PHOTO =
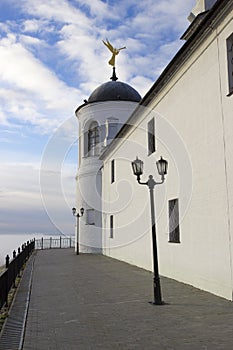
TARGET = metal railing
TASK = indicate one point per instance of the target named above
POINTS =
(8, 277)
(12, 268)
(51, 242)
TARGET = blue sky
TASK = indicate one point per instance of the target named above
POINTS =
(51, 59)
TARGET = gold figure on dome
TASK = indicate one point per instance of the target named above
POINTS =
(114, 52)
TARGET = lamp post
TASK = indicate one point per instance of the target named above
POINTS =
(74, 211)
(162, 165)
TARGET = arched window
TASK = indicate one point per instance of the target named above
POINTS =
(93, 139)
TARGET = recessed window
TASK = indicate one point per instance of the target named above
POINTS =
(230, 62)
(111, 226)
(174, 228)
(112, 171)
(93, 139)
(111, 129)
(90, 215)
(151, 136)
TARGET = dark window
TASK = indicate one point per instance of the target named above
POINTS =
(151, 136)
(112, 171)
(174, 229)
(93, 139)
(111, 226)
(230, 62)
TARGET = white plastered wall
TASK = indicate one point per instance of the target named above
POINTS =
(194, 132)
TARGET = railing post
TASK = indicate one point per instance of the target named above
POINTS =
(42, 241)
(50, 243)
(7, 261)
(6, 290)
(28, 249)
(60, 241)
(14, 272)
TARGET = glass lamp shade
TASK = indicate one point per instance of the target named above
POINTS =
(162, 165)
(82, 211)
(137, 166)
(73, 211)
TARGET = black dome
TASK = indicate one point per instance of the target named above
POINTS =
(114, 91)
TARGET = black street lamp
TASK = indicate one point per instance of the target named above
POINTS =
(74, 211)
(162, 165)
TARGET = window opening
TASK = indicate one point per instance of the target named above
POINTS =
(174, 229)
(112, 171)
(230, 62)
(111, 226)
(151, 136)
(93, 139)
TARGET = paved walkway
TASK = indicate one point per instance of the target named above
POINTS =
(93, 302)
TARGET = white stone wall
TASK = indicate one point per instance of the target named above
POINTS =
(194, 133)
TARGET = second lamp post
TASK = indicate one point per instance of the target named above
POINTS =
(74, 211)
(162, 165)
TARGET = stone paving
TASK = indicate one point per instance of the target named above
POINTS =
(94, 302)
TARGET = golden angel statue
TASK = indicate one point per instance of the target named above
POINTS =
(114, 52)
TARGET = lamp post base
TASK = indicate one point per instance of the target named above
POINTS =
(157, 302)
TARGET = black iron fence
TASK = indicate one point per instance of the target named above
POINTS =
(51, 242)
(12, 269)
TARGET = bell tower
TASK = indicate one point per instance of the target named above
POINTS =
(100, 118)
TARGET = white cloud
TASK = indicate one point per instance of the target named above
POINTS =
(141, 83)
(34, 25)
(30, 41)
(61, 11)
(21, 68)
(30, 91)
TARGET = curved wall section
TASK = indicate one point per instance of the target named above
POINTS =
(98, 124)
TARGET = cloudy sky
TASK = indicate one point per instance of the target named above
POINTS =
(51, 58)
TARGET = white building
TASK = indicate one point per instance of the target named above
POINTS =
(187, 118)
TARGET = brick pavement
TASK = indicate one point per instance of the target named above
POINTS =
(94, 302)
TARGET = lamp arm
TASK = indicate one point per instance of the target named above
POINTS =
(139, 181)
(142, 183)
(151, 183)
(161, 182)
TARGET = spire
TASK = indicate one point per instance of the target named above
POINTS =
(114, 77)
